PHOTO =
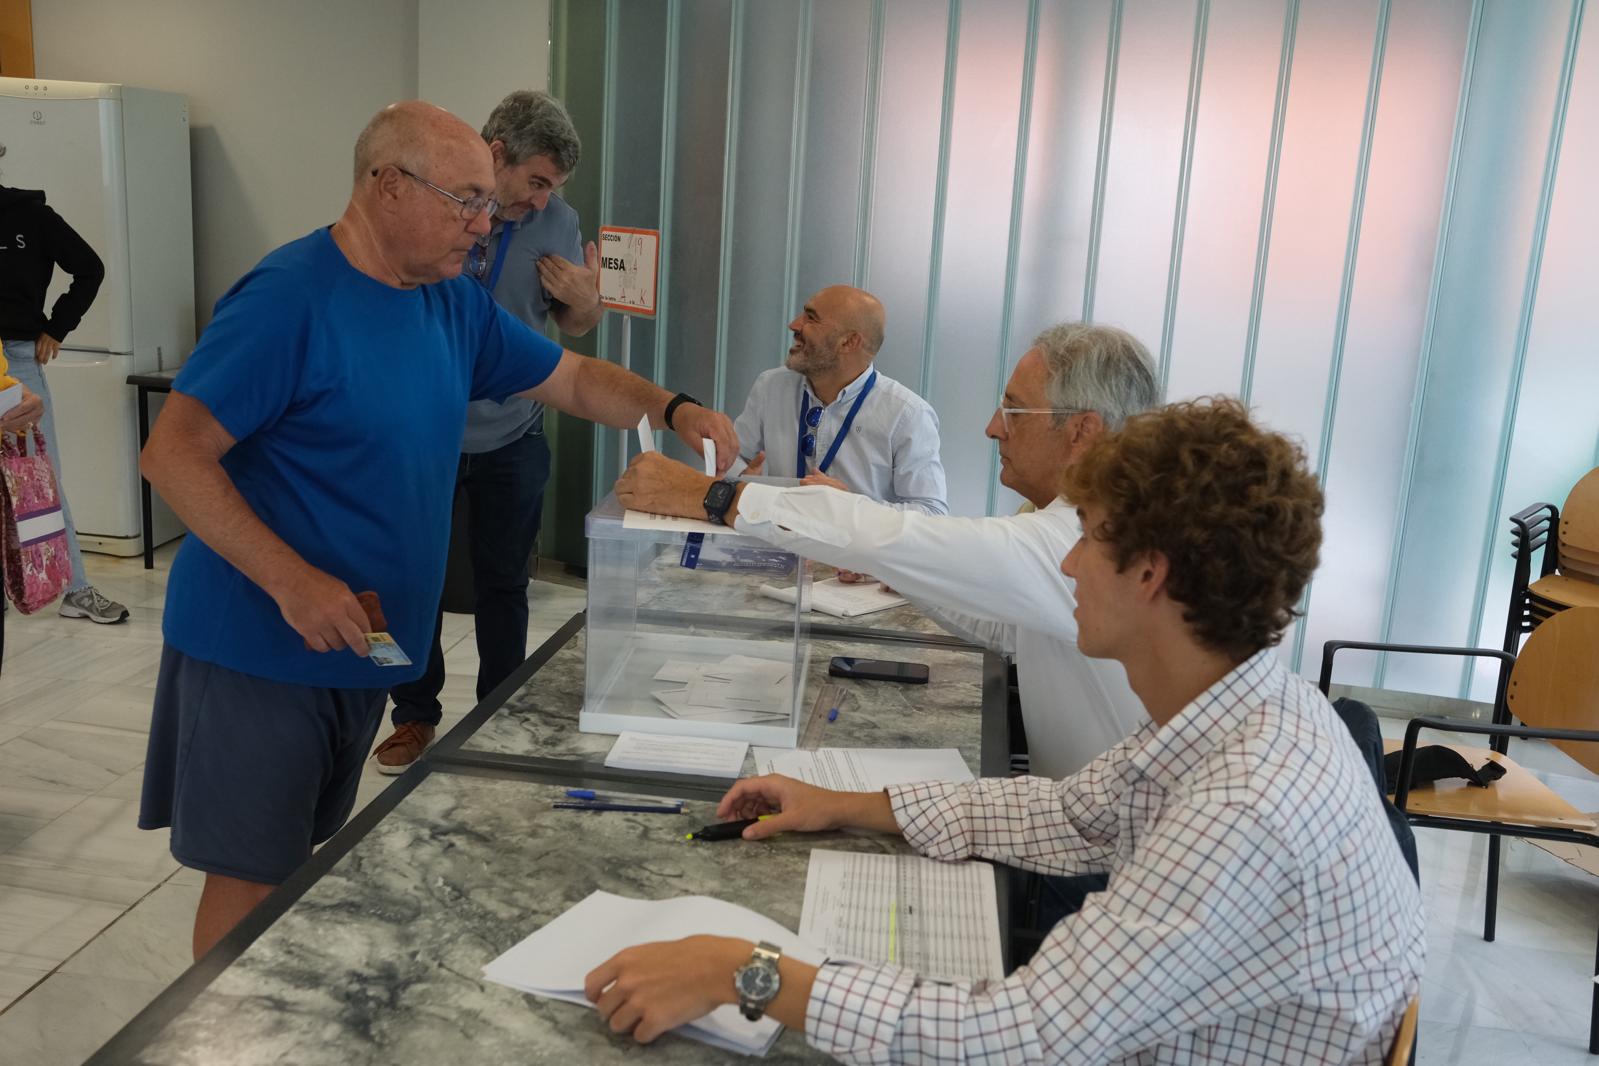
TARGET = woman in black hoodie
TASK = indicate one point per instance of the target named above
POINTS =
(34, 240)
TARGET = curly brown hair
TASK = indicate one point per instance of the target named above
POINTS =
(1233, 507)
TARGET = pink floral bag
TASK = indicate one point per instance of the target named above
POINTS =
(37, 567)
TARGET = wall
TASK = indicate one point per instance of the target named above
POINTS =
(472, 54)
(277, 93)
(1372, 219)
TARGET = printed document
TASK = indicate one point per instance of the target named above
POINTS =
(864, 769)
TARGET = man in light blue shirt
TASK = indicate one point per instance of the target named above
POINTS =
(828, 414)
(535, 264)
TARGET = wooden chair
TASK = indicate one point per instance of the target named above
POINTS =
(1403, 1050)
(1577, 583)
(1532, 530)
(1553, 688)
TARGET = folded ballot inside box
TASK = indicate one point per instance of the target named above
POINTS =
(675, 647)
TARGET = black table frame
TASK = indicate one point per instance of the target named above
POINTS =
(146, 384)
(446, 757)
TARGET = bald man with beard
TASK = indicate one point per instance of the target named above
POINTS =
(828, 415)
(310, 445)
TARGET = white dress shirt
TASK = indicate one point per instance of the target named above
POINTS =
(890, 453)
(1258, 910)
(995, 581)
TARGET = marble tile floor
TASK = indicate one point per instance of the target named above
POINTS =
(95, 915)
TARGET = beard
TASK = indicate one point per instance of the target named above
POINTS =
(811, 360)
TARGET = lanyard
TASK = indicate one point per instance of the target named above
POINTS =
(843, 430)
(507, 234)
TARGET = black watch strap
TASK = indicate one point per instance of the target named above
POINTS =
(678, 401)
(718, 500)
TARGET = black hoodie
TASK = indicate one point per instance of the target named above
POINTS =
(34, 240)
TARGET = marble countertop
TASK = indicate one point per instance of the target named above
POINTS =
(541, 719)
(380, 960)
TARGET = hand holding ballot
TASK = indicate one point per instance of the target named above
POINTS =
(655, 484)
(695, 424)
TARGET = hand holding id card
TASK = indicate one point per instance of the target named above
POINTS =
(383, 651)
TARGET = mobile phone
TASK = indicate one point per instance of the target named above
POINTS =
(878, 670)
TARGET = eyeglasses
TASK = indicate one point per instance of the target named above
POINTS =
(1005, 413)
(471, 206)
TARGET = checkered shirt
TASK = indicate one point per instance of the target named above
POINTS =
(1258, 911)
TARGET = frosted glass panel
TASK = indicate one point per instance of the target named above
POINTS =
(1557, 418)
(1058, 203)
(1387, 310)
(758, 308)
(905, 176)
(965, 344)
(1232, 136)
(1152, 65)
(1480, 296)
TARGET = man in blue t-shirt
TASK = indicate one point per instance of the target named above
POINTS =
(534, 263)
(310, 444)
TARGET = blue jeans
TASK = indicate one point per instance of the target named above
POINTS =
(27, 370)
(505, 495)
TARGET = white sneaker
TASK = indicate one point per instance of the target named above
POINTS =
(88, 602)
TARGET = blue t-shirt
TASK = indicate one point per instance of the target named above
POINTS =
(347, 399)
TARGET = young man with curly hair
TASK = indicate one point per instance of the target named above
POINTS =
(1258, 908)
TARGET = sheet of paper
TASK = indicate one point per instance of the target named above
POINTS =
(660, 523)
(553, 961)
(10, 396)
(677, 755)
(863, 769)
(708, 449)
(646, 439)
(940, 919)
(838, 599)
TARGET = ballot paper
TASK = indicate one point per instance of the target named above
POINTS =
(940, 919)
(677, 755)
(646, 438)
(554, 961)
(10, 396)
(838, 599)
(660, 523)
(863, 769)
(737, 689)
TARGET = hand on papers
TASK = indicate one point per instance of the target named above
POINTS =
(694, 423)
(756, 466)
(653, 988)
(324, 611)
(655, 484)
(852, 577)
(27, 411)
(794, 806)
(575, 285)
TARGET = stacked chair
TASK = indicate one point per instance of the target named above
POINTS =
(1569, 575)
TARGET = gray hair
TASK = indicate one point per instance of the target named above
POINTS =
(533, 123)
(1097, 368)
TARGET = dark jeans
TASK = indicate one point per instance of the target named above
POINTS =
(505, 494)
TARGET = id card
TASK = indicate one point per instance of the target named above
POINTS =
(382, 650)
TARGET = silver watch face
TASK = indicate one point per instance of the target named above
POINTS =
(757, 982)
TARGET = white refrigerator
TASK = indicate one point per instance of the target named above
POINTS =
(113, 161)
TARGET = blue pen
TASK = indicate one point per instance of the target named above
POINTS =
(636, 808)
(619, 797)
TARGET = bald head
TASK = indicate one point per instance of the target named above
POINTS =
(854, 310)
(416, 135)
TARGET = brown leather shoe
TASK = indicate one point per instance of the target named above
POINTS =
(410, 740)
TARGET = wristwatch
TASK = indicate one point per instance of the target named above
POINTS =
(757, 981)
(674, 403)
(718, 500)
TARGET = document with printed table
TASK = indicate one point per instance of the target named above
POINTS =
(940, 919)
(863, 769)
(554, 961)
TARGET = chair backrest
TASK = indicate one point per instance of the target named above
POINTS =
(1579, 522)
(1405, 1039)
(1555, 682)
(1531, 528)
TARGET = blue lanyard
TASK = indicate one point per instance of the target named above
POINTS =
(843, 430)
(507, 234)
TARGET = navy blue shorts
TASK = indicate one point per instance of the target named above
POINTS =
(249, 773)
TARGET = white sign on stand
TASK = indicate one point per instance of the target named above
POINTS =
(629, 266)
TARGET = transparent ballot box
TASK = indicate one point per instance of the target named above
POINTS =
(683, 639)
